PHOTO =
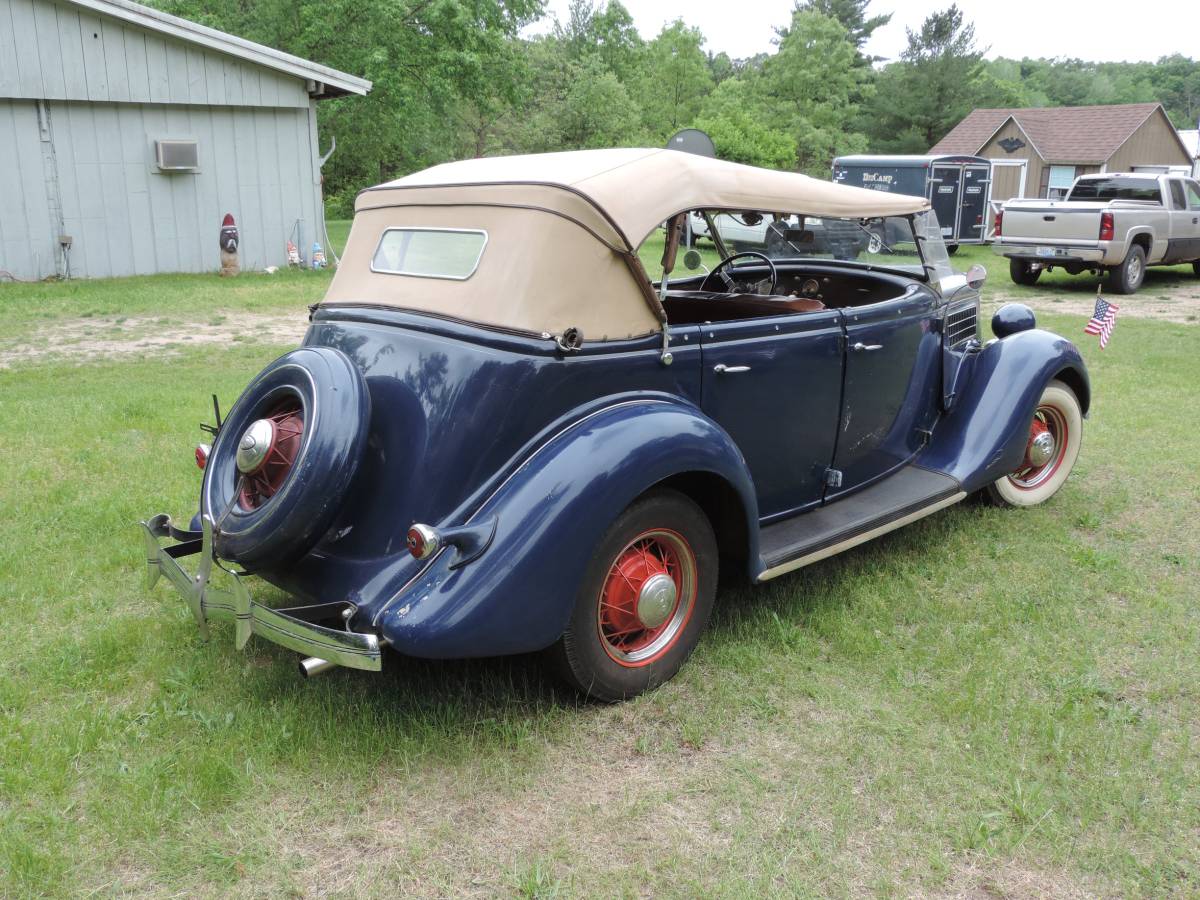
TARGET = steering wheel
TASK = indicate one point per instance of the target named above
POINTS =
(732, 286)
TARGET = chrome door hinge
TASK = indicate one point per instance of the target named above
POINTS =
(833, 478)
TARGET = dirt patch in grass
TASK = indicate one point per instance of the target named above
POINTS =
(1166, 298)
(85, 340)
(987, 879)
(594, 813)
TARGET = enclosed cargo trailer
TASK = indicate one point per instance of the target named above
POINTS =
(956, 186)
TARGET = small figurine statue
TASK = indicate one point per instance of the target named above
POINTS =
(230, 265)
(318, 256)
(293, 254)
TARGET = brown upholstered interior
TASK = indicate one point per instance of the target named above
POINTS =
(833, 290)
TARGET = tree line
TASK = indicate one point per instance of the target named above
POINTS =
(460, 78)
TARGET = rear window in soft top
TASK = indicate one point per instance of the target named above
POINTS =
(1117, 189)
(452, 253)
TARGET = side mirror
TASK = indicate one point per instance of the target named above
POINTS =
(692, 260)
(976, 276)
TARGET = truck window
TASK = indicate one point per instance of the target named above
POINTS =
(1193, 192)
(1177, 199)
(1117, 189)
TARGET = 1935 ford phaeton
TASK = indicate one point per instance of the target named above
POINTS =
(501, 436)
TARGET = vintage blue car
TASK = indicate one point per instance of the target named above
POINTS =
(501, 435)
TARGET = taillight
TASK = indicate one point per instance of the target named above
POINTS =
(1106, 226)
(423, 541)
(202, 451)
(999, 221)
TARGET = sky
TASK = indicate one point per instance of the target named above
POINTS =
(1012, 28)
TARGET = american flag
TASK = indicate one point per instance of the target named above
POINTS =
(1103, 320)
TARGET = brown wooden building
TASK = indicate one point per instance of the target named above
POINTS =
(1040, 152)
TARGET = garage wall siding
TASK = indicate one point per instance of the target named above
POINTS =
(28, 239)
(1154, 143)
(126, 218)
(993, 150)
(50, 51)
(83, 100)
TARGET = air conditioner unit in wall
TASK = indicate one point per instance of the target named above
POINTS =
(177, 155)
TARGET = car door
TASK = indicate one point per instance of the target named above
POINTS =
(1192, 220)
(1178, 222)
(892, 384)
(775, 385)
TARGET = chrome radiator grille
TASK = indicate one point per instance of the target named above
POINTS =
(961, 324)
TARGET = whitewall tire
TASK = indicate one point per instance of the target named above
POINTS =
(1055, 435)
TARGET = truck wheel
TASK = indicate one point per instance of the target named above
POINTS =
(644, 599)
(1055, 435)
(1023, 272)
(1129, 275)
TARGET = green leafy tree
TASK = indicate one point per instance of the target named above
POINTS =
(597, 110)
(852, 14)
(811, 83)
(675, 80)
(1176, 82)
(931, 88)
(739, 122)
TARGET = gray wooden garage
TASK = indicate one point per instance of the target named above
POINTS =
(127, 134)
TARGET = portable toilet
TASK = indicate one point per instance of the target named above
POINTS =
(956, 186)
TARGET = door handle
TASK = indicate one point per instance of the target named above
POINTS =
(722, 369)
(859, 345)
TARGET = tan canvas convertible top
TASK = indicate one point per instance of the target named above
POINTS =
(563, 230)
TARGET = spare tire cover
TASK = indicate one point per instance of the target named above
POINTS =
(322, 388)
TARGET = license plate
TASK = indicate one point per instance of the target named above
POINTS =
(1046, 251)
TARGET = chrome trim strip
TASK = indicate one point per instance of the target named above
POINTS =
(411, 228)
(825, 553)
(208, 603)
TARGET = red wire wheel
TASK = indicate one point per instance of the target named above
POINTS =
(1045, 450)
(643, 599)
(1051, 448)
(261, 483)
(647, 598)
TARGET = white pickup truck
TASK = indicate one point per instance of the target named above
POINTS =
(1115, 222)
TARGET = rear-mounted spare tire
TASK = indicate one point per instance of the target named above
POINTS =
(283, 461)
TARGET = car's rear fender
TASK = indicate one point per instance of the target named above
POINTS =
(549, 515)
(984, 436)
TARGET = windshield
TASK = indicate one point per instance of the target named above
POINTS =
(908, 244)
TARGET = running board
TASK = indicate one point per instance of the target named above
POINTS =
(910, 494)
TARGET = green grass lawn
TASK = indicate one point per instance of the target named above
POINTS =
(986, 703)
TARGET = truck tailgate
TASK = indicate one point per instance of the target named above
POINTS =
(1052, 222)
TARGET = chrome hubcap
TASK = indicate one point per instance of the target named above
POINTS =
(255, 445)
(1041, 449)
(656, 600)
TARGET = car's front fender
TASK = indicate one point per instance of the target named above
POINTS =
(984, 437)
(518, 594)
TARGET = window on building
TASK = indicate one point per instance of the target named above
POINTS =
(1059, 182)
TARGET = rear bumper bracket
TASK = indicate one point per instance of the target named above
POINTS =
(294, 627)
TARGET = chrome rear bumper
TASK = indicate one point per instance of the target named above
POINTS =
(294, 627)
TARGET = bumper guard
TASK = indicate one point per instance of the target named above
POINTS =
(294, 627)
